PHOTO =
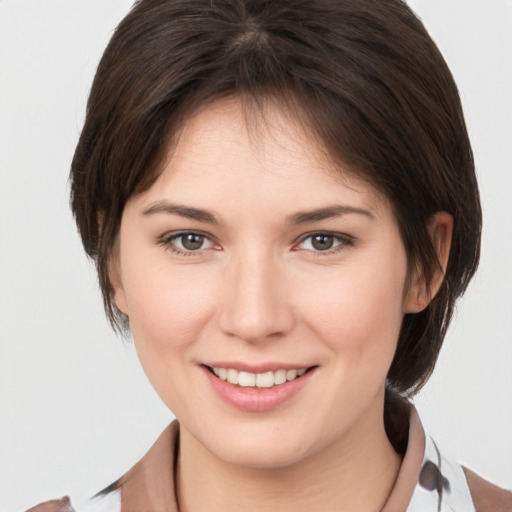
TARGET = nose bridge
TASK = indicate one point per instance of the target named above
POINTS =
(255, 306)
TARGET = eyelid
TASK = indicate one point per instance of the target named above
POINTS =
(343, 239)
(167, 240)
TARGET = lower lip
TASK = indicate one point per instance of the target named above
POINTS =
(256, 399)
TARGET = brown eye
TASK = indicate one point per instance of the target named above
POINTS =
(327, 243)
(192, 241)
(188, 242)
(322, 242)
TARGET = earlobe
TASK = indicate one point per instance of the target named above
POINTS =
(421, 292)
(118, 295)
(120, 299)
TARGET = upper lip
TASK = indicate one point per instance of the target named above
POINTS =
(257, 368)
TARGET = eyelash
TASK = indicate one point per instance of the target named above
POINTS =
(343, 241)
(168, 242)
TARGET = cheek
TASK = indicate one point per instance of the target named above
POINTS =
(358, 313)
(168, 311)
(167, 305)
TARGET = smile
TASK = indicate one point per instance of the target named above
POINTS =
(257, 380)
(262, 389)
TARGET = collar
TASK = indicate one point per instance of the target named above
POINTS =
(149, 485)
(410, 469)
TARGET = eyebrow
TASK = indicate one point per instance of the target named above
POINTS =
(303, 217)
(183, 211)
(327, 213)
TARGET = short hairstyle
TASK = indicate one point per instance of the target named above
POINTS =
(363, 76)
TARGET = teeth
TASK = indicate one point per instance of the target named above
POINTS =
(291, 374)
(265, 380)
(279, 377)
(232, 376)
(246, 379)
(259, 380)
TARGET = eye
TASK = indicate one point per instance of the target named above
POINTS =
(187, 242)
(325, 242)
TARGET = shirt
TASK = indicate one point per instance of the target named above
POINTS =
(427, 480)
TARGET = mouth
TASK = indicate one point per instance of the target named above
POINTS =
(264, 380)
(265, 388)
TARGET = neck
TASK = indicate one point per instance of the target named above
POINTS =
(355, 473)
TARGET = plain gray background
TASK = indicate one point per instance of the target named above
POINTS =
(76, 409)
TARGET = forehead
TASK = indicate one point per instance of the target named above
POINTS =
(226, 151)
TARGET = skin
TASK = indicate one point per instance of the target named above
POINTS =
(258, 291)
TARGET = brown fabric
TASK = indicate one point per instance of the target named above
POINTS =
(149, 485)
(410, 468)
(487, 497)
(62, 505)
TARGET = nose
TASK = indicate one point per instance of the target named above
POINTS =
(255, 306)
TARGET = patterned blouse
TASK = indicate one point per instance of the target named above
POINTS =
(427, 480)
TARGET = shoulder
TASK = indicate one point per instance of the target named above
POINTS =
(486, 496)
(102, 502)
(108, 500)
(62, 505)
(151, 479)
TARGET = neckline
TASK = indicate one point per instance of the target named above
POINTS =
(150, 483)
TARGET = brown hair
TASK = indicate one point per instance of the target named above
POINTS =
(364, 75)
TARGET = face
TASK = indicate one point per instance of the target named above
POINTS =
(253, 259)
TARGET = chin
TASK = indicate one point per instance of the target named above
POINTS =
(258, 457)
(261, 450)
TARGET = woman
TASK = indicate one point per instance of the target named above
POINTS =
(281, 202)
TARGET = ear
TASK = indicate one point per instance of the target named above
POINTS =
(118, 294)
(422, 292)
(120, 300)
